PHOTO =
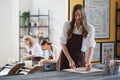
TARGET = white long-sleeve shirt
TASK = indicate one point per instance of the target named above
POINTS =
(55, 53)
(89, 41)
(36, 50)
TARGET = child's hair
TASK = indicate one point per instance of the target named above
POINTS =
(44, 41)
(29, 38)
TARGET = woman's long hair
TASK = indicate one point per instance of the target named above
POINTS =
(29, 38)
(83, 21)
(44, 41)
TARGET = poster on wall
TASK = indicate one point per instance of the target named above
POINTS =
(96, 54)
(97, 13)
(118, 18)
(118, 33)
(118, 49)
(107, 51)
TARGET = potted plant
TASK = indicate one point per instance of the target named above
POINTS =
(25, 17)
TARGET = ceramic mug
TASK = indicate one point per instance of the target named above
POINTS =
(28, 63)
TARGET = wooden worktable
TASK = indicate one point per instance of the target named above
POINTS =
(55, 75)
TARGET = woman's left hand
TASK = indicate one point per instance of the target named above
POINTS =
(88, 66)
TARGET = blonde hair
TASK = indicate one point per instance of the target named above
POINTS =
(29, 38)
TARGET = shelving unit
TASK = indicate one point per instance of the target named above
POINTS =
(38, 27)
(117, 31)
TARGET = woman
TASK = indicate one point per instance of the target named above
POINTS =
(77, 38)
(50, 52)
(33, 48)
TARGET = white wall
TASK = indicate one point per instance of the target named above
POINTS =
(58, 15)
(8, 30)
(24, 5)
(15, 29)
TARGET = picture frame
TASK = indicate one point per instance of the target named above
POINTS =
(108, 50)
(97, 53)
(118, 49)
(98, 15)
(118, 33)
(118, 18)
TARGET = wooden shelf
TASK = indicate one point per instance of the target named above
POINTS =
(35, 27)
(38, 15)
(44, 37)
(34, 36)
(21, 36)
(24, 26)
(30, 35)
(22, 48)
(39, 26)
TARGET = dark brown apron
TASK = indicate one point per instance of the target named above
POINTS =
(73, 45)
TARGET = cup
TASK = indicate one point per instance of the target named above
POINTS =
(117, 67)
(11, 61)
(28, 63)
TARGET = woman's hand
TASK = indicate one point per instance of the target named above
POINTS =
(72, 64)
(88, 58)
(88, 66)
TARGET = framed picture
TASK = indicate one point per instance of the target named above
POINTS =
(118, 18)
(118, 33)
(107, 51)
(96, 54)
(98, 15)
(118, 49)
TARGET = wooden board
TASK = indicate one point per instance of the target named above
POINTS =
(82, 70)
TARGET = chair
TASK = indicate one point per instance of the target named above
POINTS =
(32, 70)
(36, 60)
(11, 69)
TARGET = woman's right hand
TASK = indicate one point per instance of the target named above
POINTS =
(72, 64)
